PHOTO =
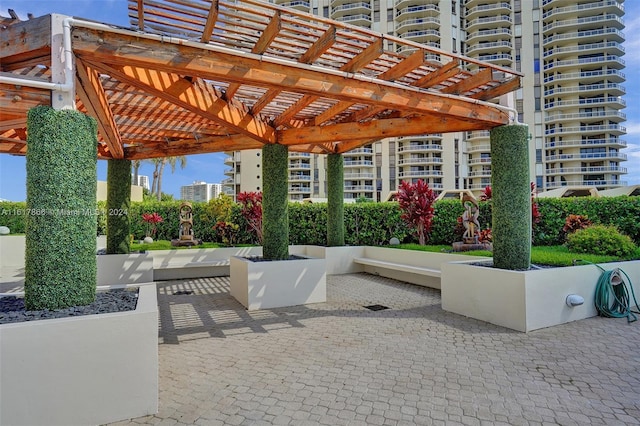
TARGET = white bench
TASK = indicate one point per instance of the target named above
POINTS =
(398, 266)
(179, 270)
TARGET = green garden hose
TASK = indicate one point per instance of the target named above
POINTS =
(613, 295)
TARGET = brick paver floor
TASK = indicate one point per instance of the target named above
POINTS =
(337, 363)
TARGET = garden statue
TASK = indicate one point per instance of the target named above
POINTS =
(186, 237)
(470, 219)
(471, 237)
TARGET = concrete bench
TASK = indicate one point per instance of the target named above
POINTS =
(398, 266)
(180, 270)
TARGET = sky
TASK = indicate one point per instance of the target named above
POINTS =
(209, 167)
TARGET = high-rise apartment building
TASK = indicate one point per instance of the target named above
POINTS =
(570, 52)
(200, 191)
(143, 181)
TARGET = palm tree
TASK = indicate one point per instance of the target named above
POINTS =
(172, 161)
(156, 172)
(136, 169)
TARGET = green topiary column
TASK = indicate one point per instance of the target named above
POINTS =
(335, 200)
(275, 202)
(511, 198)
(60, 258)
(118, 204)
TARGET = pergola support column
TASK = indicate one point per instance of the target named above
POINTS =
(60, 256)
(275, 202)
(511, 198)
(335, 200)
(118, 204)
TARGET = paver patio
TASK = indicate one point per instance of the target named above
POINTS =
(339, 363)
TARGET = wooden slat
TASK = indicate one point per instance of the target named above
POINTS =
(141, 15)
(404, 67)
(268, 35)
(494, 92)
(448, 70)
(478, 79)
(25, 41)
(264, 101)
(212, 17)
(287, 115)
(331, 112)
(317, 49)
(94, 98)
(364, 58)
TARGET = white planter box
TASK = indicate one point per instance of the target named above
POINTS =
(524, 300)
(84, 370)
(274, 284)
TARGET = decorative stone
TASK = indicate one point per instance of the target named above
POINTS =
(4, 230)
(147, 240)
(394, 241)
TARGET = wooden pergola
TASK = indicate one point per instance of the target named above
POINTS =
(199, 76)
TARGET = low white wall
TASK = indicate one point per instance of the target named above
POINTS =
(134, 268)
(528, 300)
(338, 260)
(84, 370)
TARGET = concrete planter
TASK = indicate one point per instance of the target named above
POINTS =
(274, 284)
(524, 300)
(92, 369)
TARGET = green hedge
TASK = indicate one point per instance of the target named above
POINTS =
(118, 205)
(275, 203)
(60, 256)
(308, 222)
(335, 203)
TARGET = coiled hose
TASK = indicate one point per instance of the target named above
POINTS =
(613, 295)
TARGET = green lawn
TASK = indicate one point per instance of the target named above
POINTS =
(166, 245)
(540, 255)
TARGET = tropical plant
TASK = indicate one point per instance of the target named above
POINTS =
(151, 219)
(416, 203)
(226, 232)
(251, 203)
(575, 222)
(172, 161)
(601, 240)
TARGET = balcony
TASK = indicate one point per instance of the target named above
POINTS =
(228, 181)
(420, 148)
(358, 188)
(296, 155)
(419, 23)
(229, 172)
(598, 183)
(610, 88)
(356, 176)
(358, 19)
(588, 156)
(420, 174)
(351, 9)
(484, 161)
(489, 22)
(503, 59)
(597, 34)
(486, 47)
(613, 142)
(488, 9)
(480, 173)
(303, 6)
(608, 20)
(610, 46)
(488, 35)
(588, 170)
(478, 148)
(612, 115)
(423, 10)
(611, 61)
(609, 128)
(358, 163)
(477, 134)
(611, 6)
(293, 189)
(419, 160)
(359, 151)
(421, 36)
(299, 165)
(299, 178)
(585, 76)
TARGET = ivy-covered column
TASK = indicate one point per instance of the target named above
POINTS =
(60, 258)
(275, 202)
(511, 198)
(118, 204)
(335, 200)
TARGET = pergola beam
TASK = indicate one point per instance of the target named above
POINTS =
(117, 49)
(191, 146)
(94, 98)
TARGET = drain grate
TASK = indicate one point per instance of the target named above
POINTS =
(376, 307)
(182, 292)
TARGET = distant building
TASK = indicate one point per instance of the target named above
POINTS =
(143, 181)
(200, 191)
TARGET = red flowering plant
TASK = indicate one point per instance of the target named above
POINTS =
(151, 219)
(416, 203)
(251, 203)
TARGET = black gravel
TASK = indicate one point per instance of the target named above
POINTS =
(12, 308)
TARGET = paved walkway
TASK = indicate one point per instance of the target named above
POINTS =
(413, 364)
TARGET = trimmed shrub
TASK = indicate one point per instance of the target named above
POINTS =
(511, 197)
(601, 240)
(12, 216)
(275, 203)
(118, 204)
(335, 200)
(308, 223)
(60, 258)
(373, 224)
